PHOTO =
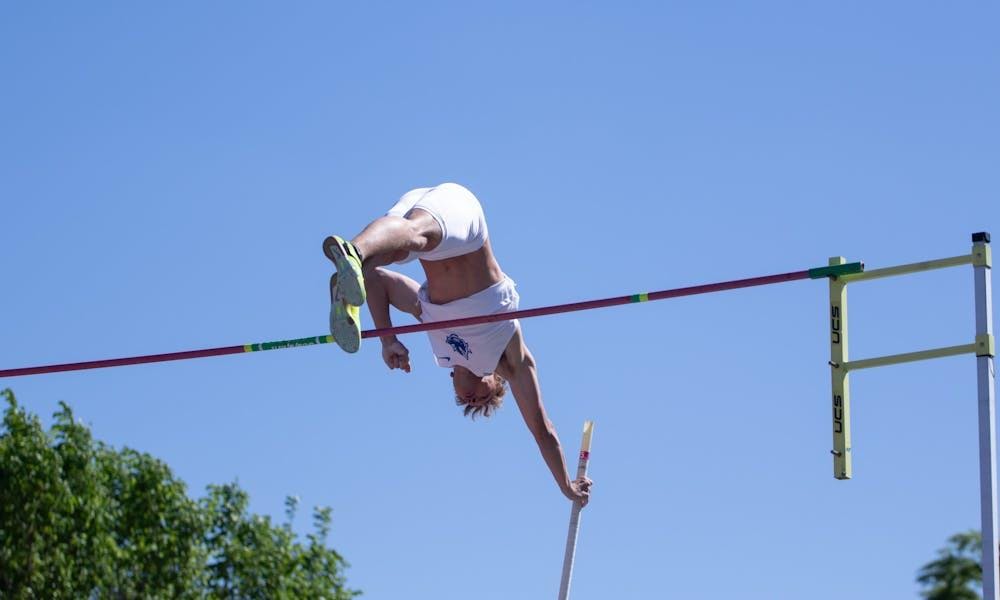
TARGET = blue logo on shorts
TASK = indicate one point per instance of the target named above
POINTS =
(459, 345)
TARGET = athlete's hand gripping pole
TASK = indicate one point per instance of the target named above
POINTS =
(574, 517)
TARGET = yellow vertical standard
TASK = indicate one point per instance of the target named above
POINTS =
(841, 385)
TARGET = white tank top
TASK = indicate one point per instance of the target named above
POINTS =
(478, 348)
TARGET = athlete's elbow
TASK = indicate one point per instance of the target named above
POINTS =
(524, 367)
(543, 430)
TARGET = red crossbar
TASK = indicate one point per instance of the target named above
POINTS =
(370, 333)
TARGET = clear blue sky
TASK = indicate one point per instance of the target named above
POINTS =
(167, 174)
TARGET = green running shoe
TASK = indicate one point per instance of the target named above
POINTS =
(344, 255)
(345, 320)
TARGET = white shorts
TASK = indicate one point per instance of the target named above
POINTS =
(478, 348)
(457, 212)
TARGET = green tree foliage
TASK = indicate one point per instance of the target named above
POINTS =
(957, 572)
(79, 519)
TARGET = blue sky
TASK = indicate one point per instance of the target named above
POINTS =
(167, 174)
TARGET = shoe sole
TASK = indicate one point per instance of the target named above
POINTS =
(345, 332)
(344, 326)
(352, 289)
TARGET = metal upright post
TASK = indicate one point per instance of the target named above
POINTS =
(982, 265)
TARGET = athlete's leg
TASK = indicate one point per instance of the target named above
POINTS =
(388, 239)
(384, 241)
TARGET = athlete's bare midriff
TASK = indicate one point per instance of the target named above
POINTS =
(461, 276)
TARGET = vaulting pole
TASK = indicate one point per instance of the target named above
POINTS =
(816, 273)
(574, 515)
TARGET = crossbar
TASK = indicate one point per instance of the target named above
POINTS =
(370, 333)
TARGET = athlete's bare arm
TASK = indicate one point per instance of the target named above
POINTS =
(386, 288)
(517, 366)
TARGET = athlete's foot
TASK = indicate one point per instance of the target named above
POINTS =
(345, 320)
(351, 287)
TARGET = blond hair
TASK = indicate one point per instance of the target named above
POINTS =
(490, 406)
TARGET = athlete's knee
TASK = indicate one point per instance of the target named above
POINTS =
(374, 263)
(424, 232)
(414, 235)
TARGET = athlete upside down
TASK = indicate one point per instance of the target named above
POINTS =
(444, 227)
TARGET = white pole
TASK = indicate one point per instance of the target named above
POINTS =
(574, 515)
(987, 413)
